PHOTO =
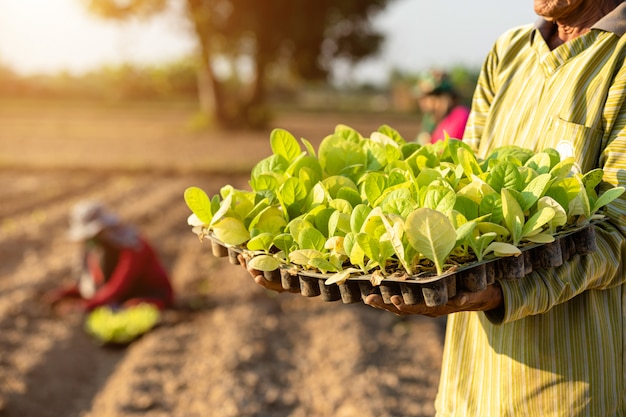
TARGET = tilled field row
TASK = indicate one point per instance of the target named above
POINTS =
(229, 348)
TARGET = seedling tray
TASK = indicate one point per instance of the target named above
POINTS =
(431, 290)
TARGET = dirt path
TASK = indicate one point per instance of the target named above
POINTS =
(229, 348)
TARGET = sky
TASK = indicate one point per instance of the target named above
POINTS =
(48, 36)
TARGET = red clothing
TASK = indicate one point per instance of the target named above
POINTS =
(453, 124)
(136, 276)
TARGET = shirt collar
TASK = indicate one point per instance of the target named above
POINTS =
(614, 22)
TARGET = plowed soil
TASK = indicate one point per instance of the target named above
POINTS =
(229, 347)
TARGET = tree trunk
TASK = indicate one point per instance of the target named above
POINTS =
(209, 90)
(206, 93)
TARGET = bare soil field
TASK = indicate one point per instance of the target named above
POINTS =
(229, 347)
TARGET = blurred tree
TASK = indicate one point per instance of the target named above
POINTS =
(297, 37)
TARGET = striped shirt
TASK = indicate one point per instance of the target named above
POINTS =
(558, 346)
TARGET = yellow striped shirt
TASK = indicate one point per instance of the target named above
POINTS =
(557, 348)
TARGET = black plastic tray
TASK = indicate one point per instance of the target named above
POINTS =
(433, 290)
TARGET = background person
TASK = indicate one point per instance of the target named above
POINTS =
(441, 108)
(118, 267)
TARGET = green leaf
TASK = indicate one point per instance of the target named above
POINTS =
(560, 215)
(465, 230)
(308, 167)
(427, 176)
(400, 206)
(341, 276)
(292, 191)
(338, 224)
(373, 186)
(335, 153)
(511, 153)
(359, 214)
(265, 181)
(199, 204)
(264, 263)
(431, 233)
(261, 242)
(346, 132)
(276, 164)
(231, 231)
(271, 220)
(535, 190)
(322, 219)
(504, 175)
(336, 183)
(440, 198)
(539, 162)
(323, 265)
(351, 195)
(540, 238)
(562, 169)
(302, 257)
(318, 195)
(392, 133)
(369, 245)
(513, 215)
(468, 161)
(309, 147)
(554, 155)
(592, 179)
(607, 197)
(503, 249)
(335, 244)
(394, 231)
(380, 138)
(354, 251)
(467, 207)
(284, 242)
(580, 205)
(476, 190)
(489, 227)
(121, 325)
(480, 243)
(311, 238)
(537, 221)
(285, 144)
(223, 210)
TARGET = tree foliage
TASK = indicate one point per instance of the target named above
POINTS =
(294, 38)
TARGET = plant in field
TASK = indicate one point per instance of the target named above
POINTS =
(122, 326)
(379, 205)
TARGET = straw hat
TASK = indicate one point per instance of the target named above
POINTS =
(88, 218)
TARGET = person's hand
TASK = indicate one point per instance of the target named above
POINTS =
(260, 279)
(488, 299)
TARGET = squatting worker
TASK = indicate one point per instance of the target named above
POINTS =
(118, 267)
(553, 342)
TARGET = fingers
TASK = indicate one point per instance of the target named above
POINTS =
(376, 301)
(487, 299)
(405, 309)
(253, 272)
(259, 278)
(460, 300)
(400, 308)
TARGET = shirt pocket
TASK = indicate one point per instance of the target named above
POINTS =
(577, 141)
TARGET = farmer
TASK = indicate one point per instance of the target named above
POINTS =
(118, 266)
(553, 342)
(442, 111)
